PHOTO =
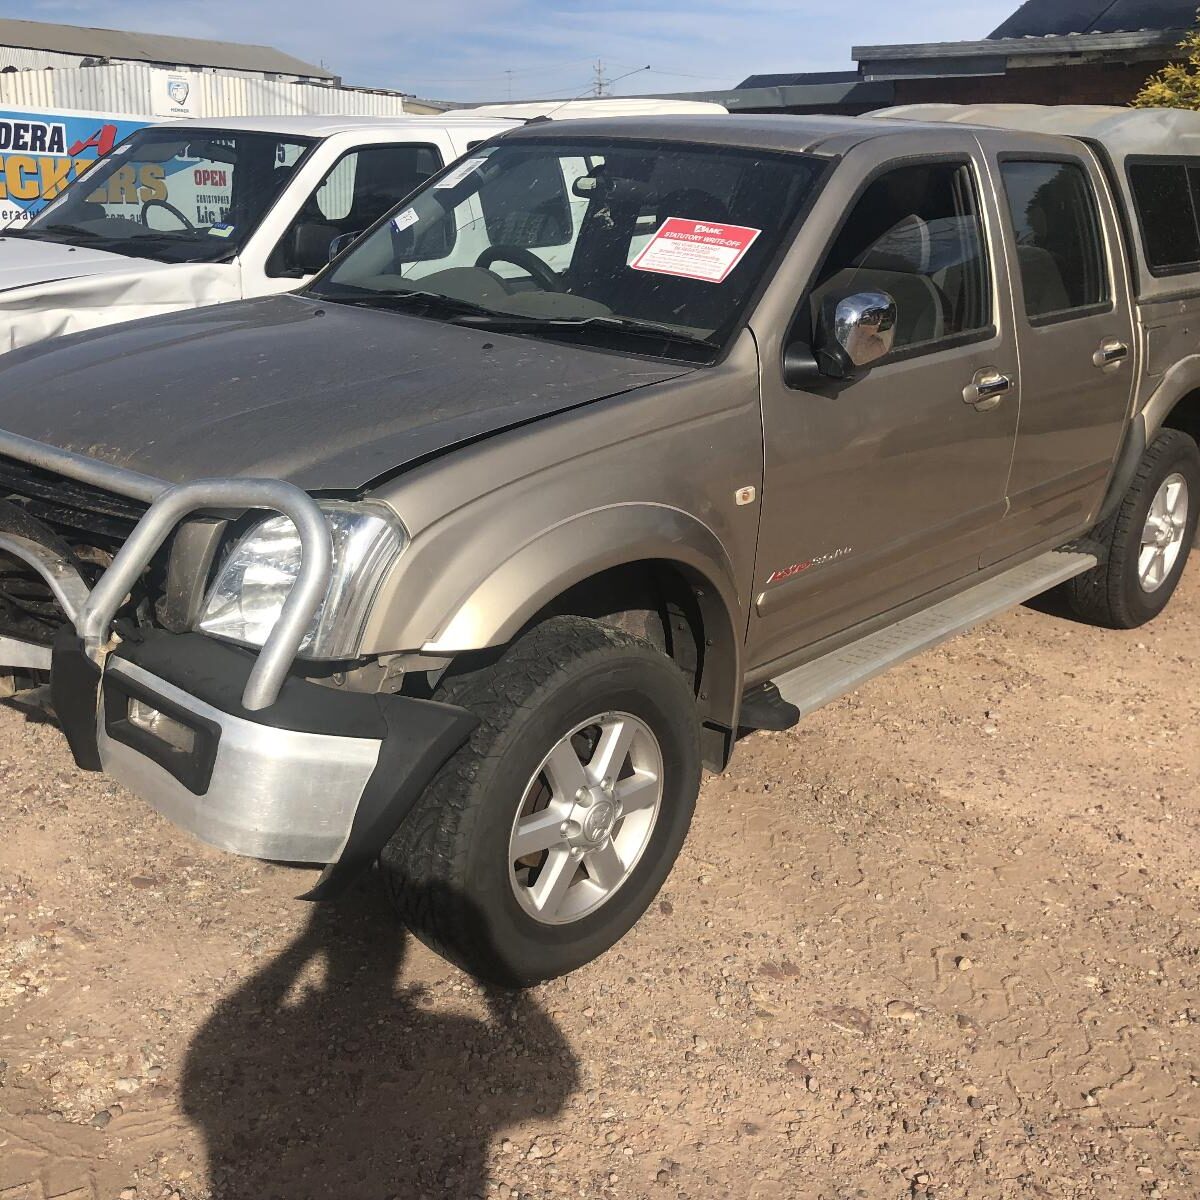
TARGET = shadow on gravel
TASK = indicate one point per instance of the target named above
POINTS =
(324, 1076)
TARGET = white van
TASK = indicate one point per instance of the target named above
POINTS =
(183, 214)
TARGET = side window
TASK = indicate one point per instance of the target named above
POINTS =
(356, 191)
(1060, 251)
(526, 206)
(916, 234)
(1166, 195)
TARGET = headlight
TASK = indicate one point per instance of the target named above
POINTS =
(245, 601)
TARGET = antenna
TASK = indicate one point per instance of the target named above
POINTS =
(600, 83)
(592, 88)
(509, 72)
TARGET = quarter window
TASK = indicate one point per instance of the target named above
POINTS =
(1060, 252)
(1167, 195)
(915, 234)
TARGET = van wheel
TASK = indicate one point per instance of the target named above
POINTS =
(542, 841)
(1149, 538)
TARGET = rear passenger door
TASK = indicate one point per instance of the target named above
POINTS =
(883, 488)
(1075, 337)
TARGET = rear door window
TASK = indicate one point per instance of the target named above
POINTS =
(1060, 250)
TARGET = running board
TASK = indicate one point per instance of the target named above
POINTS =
(832, 675)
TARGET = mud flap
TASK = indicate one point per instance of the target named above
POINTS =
(75, 693)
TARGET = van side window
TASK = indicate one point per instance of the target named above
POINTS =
(1060, 252)
(356, 191)
(915, 234)
(1166, 195)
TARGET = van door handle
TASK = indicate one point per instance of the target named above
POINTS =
(987, 389)
(1110, 353)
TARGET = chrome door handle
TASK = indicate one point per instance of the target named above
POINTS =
(987, 389)
(1110, 353)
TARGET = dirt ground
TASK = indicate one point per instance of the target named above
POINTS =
(941, 940)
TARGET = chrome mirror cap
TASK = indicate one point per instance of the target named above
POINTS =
(864, 327)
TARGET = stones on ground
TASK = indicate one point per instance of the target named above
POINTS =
(963, 963)
(901, 1010)
(848, 1020)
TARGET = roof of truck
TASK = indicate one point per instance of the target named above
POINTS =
(756, 131)
(324, 126)
(1122, 131)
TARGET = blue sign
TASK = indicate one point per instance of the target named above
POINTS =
(42, 152)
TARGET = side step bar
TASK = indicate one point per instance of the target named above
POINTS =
(815, 684)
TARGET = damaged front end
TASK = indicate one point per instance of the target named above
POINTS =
(233, 744)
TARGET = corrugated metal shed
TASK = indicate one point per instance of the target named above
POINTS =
(135, 88)
(77, 40)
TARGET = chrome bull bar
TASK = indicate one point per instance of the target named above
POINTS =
(92, 613)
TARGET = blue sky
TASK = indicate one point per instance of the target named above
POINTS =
(462, 49)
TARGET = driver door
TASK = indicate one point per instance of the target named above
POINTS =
(885, 487)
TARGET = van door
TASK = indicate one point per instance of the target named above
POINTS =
(882, 489)
(361, 185)
(1075, 335)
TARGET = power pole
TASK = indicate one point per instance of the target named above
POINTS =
(600, 84)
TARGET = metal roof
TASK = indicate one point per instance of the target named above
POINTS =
(1020, 47)
(153, 47)
(1038, 18)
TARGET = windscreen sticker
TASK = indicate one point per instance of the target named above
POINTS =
(401, 221)
(695, 249)
(455, 177)
(220, 230)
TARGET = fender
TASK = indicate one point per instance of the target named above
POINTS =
(515, 590)
(1180, 379)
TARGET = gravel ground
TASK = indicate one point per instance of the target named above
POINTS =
(941, 940)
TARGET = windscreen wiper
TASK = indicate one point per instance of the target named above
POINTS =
(369, 299)
(56, 231)
(643, 329)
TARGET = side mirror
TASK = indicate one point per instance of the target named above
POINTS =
(311, 246)
(854, 332)
(342, 242)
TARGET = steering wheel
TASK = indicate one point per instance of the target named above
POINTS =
(547, 279)
(148, 204)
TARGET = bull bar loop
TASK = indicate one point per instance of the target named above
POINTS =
(170, 504)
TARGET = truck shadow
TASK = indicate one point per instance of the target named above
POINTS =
(323, 1075)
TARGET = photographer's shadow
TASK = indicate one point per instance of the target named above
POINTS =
(323, 1076)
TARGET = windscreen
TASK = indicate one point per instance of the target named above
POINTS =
(174, 196)
(586, 240)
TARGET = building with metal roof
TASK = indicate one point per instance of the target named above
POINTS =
(36, 45)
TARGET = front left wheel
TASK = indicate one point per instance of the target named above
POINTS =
(545, 838)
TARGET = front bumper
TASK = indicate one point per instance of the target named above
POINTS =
(228, 743)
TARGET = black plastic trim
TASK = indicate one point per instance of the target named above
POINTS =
(75, 693)
(193, 768)
(422, 735)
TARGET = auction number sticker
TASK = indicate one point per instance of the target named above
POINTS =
(460, 173)
(402, 221)
(695, 249)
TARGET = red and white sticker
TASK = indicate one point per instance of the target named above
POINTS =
(695, 249)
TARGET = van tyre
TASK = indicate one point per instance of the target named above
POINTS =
(546, 837)
(1148, 539)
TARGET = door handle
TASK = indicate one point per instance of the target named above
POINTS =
(1110, 353)
(987, 389)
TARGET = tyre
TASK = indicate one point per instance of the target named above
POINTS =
(545, 838)
(1148, 539)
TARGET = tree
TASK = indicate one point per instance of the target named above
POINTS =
(1177, 85)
